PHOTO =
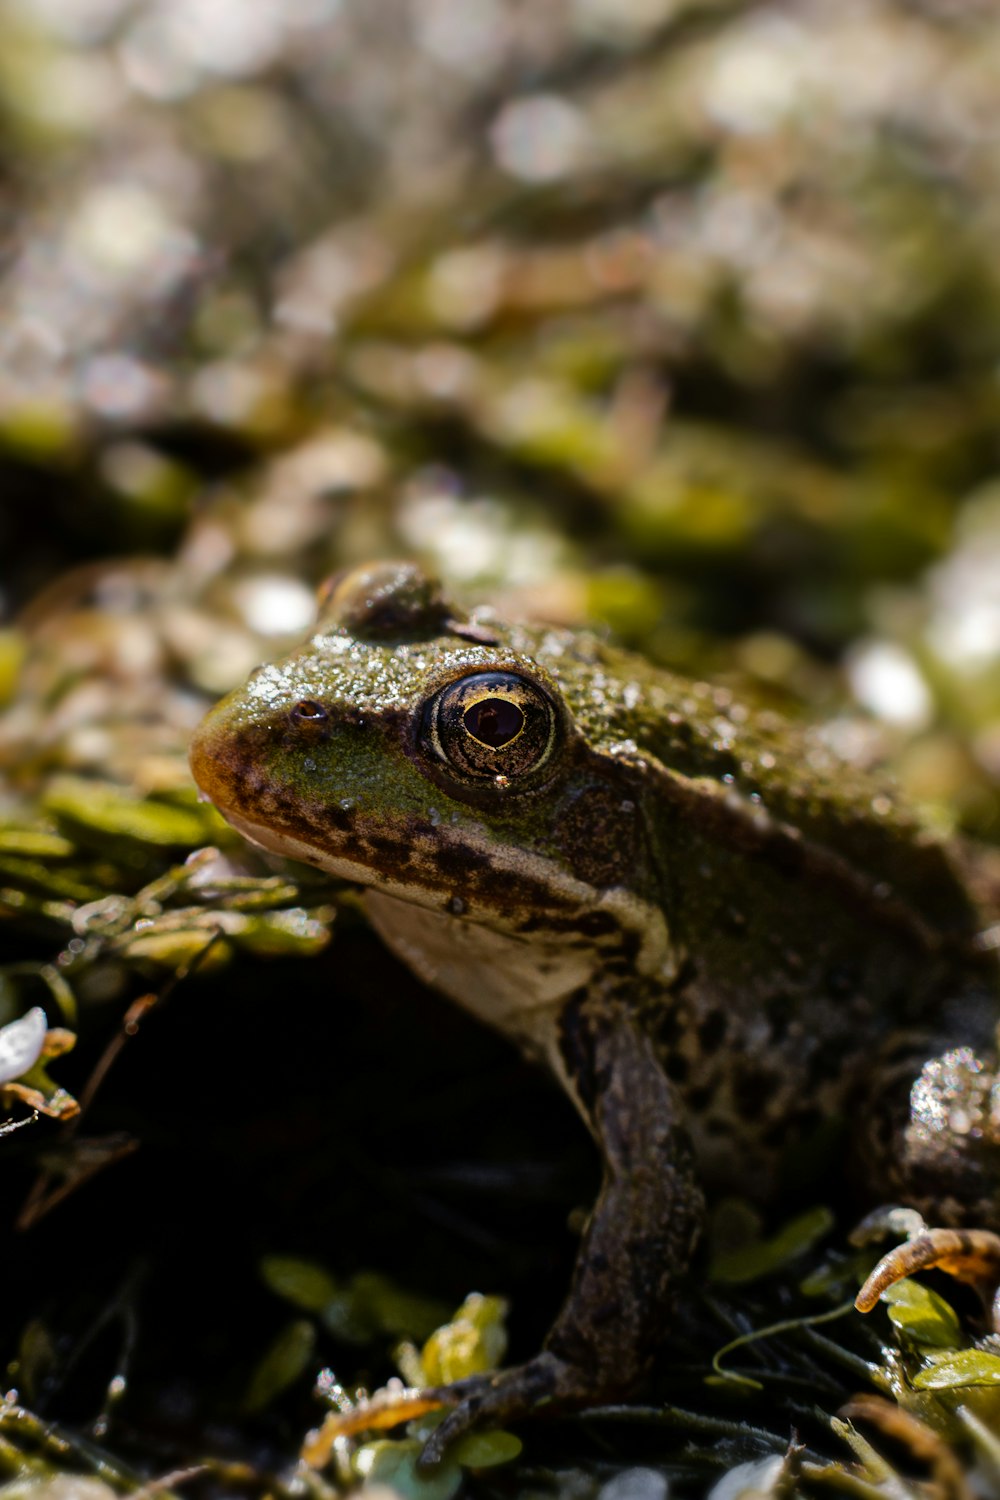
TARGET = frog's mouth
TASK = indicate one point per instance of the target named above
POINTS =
(467, 876)
(471, 881)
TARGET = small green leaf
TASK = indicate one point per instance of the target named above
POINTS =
(280, 934)
(36, 1357)
(176, 948)
(422, 1427)
(968, 1367)
(347, 1320)
(34, 843)
(301, 1282)
(833, 1277)
(922, 1315)
(482, 1450)
(394, 1310)
(474, 1341)
(395, 1466)
(764, 1256)
(117, 812)
(282, 1365)
(372, 1304)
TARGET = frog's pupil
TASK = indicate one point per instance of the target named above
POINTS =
(494, 721)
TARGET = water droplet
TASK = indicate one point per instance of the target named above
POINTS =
(456, 906)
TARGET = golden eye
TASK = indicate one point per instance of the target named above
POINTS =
(492, 725)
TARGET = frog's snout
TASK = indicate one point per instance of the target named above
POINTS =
(212, 763)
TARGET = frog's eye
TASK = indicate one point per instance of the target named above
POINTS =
(495, 725)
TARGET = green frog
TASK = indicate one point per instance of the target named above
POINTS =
(716, 933)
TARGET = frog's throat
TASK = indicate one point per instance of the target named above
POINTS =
(518, 987)
(629, 921)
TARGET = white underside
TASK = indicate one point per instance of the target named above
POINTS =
(512, 983)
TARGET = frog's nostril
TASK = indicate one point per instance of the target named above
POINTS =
(308, 713)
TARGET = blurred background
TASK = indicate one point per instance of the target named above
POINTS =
(676, 317)
(684, 317)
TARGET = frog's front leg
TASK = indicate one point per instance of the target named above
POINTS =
(639, 1238)
(940, 1154)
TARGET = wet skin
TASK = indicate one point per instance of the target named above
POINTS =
(718, 935)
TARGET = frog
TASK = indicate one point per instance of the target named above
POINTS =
(717, 932)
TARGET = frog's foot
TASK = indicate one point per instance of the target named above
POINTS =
(506, 1396)
(970, 1255)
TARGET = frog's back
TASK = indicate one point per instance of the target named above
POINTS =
(772, 787)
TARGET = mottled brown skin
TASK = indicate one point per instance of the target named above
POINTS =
(716, 933)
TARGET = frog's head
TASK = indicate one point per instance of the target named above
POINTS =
(429, 757)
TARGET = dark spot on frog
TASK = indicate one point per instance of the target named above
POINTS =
(754, 1089)
(712, 1030)
(458, 861)
(593, 924)
(575, 1032)
(284, 805)
(829, 1060)
(337, 818)
(676, 1067)
(698, 1099)
(669, 1027)
(596, 831)
(394, 851)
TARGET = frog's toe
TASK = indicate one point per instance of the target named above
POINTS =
(970, 1255)
(504, 1396)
